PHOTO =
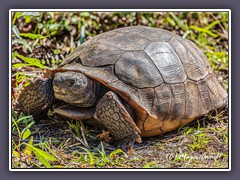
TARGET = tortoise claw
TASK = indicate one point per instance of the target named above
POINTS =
(125, 144)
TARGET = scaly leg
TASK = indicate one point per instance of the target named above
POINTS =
(114, 116)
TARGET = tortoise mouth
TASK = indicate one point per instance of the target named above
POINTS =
(64, 95)
(60, 96)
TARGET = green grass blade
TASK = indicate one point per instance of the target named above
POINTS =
(32, 61)
(117, 151)
(179, 22)
(19, 65)
(214, 23)
(14, 55)
(27, 127)
(57, 51)
(26, 134)
(23, 42)
(15, 153)
(16, 31)
(82, 35)
(148, 165)
(20, 119)
(32, 36)
(204, 30)
(16, 16)
(90, 155)
(28, 150)
(42, 159)
(189, 130)
(50, 150)
(35, 36)
(44, 154)
(20, 14)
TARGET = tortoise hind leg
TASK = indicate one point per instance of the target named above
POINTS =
(114, 116)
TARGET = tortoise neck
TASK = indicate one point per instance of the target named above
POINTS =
(101, 89)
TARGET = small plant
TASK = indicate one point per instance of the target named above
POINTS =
(80, 131)
(199, 141)
(29, 62)
(18, 39)
(151, 164)
(27, 149)
(101, 159)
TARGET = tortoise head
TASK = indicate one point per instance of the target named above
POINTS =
(75, 88)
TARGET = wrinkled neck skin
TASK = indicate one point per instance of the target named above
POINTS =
(77, 89)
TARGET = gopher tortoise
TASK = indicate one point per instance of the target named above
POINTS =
(135, 81)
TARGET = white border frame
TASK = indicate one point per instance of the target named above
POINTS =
(123, 10)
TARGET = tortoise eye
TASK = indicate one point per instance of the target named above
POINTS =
(71, 82)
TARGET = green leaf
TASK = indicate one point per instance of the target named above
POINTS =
(20, 119)
(16, 16)
(15, 153)
(200, 134)
(36, 36)
(82, 35)
(23, 42)
(26, 134)
(32, 36)
(204, 30)
(171, 21)
(57, 51)
(188, 131)
(42, 159)
(14, 55)
(90, 155)
(16, 31)
(28, 150)
(85, 14)
(199, 125)
(27, 127)
(20, 14)
(58, 166)
(214, 23)
(42, 153)
(117, 151)
(32, 61)
(19, 65)
(149, 165)
(179, 22)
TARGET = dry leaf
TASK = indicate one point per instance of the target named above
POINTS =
(104, 136)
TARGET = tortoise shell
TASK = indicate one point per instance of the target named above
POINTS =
(166, 79)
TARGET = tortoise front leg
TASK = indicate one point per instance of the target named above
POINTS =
(37, 98)
(114, 116)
